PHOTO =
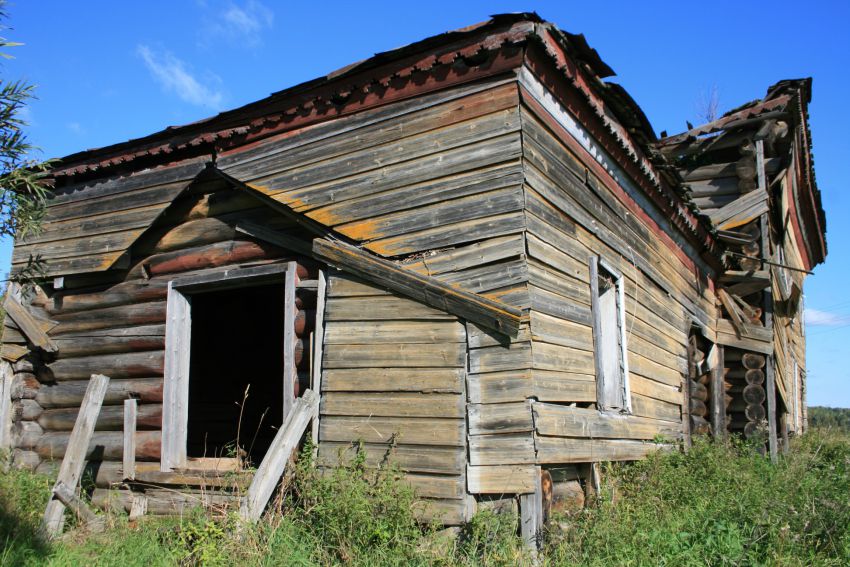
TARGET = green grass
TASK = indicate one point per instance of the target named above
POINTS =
(716, 505)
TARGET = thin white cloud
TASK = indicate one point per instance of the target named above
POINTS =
(171, 73)
(817, 318)
(76, 128)
(237, 24)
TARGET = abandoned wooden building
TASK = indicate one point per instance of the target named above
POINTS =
(473, 251)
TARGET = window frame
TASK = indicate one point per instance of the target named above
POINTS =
(596, 263)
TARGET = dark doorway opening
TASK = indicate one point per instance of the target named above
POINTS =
(237, 344)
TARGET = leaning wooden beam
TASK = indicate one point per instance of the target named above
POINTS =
(72, 465)
(129, 456)
(740, 211)
(260, 232)
(271, 469)
(30, 328)
(473, 307)
(735, 314)
(65, 494)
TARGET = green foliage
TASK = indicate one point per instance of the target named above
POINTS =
(22, 179)
(822, 417)
(720, 505)
(716, 505)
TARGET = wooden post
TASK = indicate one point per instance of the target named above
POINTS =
(75, 455)
(271, 469)
(718, 404)
(129, 454)
(318, 339)
(770, 385)
(175, 394)
(6, 377)
(64, 494)
(531, 515)
(290, 373)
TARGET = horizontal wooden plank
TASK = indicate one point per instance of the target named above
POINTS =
(516, 356)
(744, 343)
(341, 284)
(547, 356)
(425, 380)
(394, 355)
(652, 389)
(479, 337)
(465, 257)
(500, 387)
(407, 430)
(436, 486)
(455, 234)
(370, 308)
(408, 458)
(754, 332)
(501, 479)
(566, 421)
(557, 386)
(557, 450)
(519, 385)
(491, 419)
(398, 404)
(511, 449)
(409, 332)
(489, 277)
(552, 330)
(439, 214)
(470, 306)
(650, 369)
(656, 409)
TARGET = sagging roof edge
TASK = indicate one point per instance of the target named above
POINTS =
(792, 97)
(263, 118)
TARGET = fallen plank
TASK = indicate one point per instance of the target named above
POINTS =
(271, 469)
(74, 460)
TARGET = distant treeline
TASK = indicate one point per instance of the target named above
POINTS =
(837, 418)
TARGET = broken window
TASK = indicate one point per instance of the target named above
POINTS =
(607, 304)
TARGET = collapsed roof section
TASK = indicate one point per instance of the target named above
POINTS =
(721, 162)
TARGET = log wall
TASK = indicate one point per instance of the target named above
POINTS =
(118, 328)
(576, 209)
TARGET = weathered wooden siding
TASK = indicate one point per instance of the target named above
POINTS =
(571, 215)
(789, 338)
(89, 226)
(441, 171)
(393, 378)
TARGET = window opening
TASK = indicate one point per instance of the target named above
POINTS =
(608, 305)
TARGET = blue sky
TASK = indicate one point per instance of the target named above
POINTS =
(107, 71)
